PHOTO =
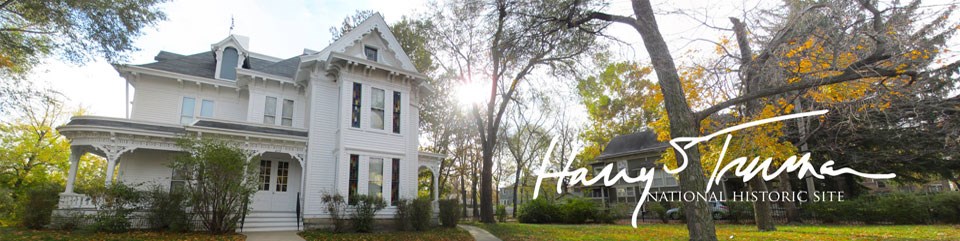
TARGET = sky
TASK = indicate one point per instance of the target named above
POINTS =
(283, 28)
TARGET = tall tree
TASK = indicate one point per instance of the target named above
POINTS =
(74, 30)
(517, 44)
(878, 57)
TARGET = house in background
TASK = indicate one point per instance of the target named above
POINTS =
(633, 152)
(340, 120)
(886, 186)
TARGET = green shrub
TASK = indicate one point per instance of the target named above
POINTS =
(365, 209)
(68, 220)
(623, 210)
(740, 212)
(167, 211)
(578, 210)
(604, 216)
(116, 202)
(449, 212)
(946, 207)
(402, 217)
(539, 210)
(420, 214)
(336, 206)
(38, 206)
(501, 213)
(657, 209)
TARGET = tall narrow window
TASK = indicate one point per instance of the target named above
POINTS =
(396, 112)
(370, 52)
(187, 109)
(283, 171)
(178, 180)
(355, 117)
(375, 184)
(287, 118)
(206, 108)
(354, 172)
(270, 111)
(395, 182)
(265, 175)
(228, 63)
(376, 109)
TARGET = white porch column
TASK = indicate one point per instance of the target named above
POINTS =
(436, 191)
(112, 153)
(75, 154)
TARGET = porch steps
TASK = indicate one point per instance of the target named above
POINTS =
(270, 221)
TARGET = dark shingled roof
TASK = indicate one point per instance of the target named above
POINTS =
(124, 124)
(242, 127)
(631, 143)
(205, 64)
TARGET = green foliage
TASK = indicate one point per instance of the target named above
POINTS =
(501, 213)
(421, 213)
(38, 206)
(336, 205)
(539, 210)
(403, 214)
(69, 220)
(578, 210)
(74, 30)
(740, 212)
(365, 209)
(115, 204)
(167, 211)
(658, 209)
(616, 100)
(449, 212)
(896, 208)
(220, 181)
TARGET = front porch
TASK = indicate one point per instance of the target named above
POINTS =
(138, 153)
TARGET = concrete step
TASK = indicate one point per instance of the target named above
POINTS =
(270, 219)
(267, 229)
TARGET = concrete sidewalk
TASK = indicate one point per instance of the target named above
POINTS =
(479, 234)
(273, 236)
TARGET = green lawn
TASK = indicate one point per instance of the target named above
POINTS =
(437, 234)
(517, 231)
(51, 235)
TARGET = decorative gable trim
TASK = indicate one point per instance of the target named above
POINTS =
(355, 36)
(240, 43)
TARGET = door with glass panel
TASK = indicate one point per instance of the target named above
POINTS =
(279, 182)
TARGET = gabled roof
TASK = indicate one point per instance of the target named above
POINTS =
(374, 22)
(635, 143)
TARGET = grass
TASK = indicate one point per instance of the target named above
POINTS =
(54, 235)
(437, 234)
(517, 231)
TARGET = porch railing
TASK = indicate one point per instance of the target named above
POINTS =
(75, 201)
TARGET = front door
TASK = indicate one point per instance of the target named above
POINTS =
(279, 184)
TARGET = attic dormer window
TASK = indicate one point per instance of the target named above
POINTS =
(228, 63)
(370, 52)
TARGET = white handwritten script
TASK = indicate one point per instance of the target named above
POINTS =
(744, 169)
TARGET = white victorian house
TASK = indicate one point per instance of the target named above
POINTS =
(340, 120)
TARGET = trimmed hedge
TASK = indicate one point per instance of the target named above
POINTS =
(571, 211)
(898, 208)
(449, 212)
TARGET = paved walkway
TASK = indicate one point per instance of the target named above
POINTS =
(479, 234)
(273, 236)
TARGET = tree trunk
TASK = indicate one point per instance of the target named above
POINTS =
(463, 196)
(793, 215)
(761, 208)
(473, 188)
(682, 121)
(486, 177)
(516, 184)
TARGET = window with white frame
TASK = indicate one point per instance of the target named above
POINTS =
(370, 53)
(355, 115)
(376, 108)
(283, 172)
(286, 118)
(375, 184)
(206, 108)
(178, 179)
(265, 175)
(187, 108)
(396, 112)
(270, 110)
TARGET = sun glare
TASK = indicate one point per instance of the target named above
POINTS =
(471, 94)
